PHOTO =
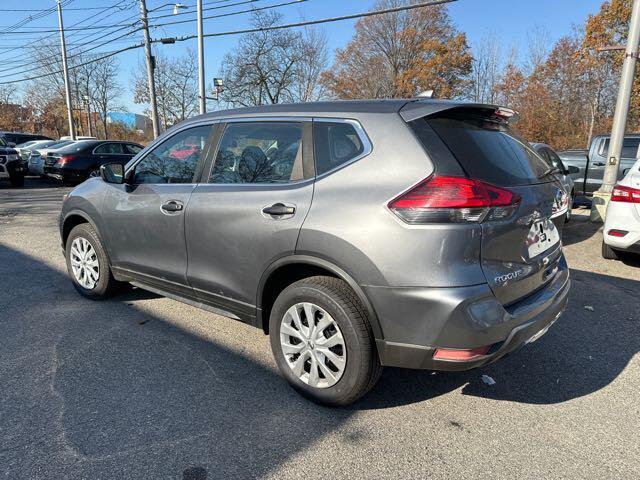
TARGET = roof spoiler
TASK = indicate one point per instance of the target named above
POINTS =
(421, 108)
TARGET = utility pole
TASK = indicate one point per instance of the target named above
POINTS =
(602, 196)
(65, 69)
(88, 100)
(151, 83)
(201, 92)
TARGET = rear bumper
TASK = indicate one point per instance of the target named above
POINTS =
(417, 321)
(626, 217)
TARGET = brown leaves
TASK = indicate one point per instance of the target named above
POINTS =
(401, 55)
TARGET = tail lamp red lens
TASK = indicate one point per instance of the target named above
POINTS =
(625, 194)
(65, 159)
(442, 199)
(460, 355)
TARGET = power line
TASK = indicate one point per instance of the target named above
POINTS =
(193, 12)
(221, 15)
(255, 30)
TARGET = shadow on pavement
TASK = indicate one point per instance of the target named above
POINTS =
(104, 387)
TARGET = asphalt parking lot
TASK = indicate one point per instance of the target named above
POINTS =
(145, 387)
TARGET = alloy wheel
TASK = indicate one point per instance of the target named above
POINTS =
(313, 345)
(84, 263)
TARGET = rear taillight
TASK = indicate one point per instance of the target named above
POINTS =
(65, 159)
(625, 194)
(454, 199)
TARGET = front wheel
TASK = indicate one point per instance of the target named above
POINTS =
(567, 217)
(88, 265)
(322, 341)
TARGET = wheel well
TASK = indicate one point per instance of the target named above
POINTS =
(280, 279)
(69, 223)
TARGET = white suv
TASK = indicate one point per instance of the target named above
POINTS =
(622, 224)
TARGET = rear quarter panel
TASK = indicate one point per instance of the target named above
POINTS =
(349, 223)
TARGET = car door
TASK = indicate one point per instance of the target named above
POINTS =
(144, 218)
(248, 209)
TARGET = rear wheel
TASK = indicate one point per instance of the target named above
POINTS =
(609, 253)
(88, 265)
(322, 341)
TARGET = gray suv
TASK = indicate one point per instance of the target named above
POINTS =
(407, 233)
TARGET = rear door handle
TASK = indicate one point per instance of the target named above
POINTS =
(172, 206)
(598, 164)
(279, 209)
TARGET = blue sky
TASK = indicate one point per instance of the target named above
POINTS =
(510, 21)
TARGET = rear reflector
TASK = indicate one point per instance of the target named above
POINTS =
(625, 194)
(460, 355)
(617, 233)
(454, 199)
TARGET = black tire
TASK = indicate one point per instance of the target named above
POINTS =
(609, 253)
(106, 285)
(568, 215)
(362, 369)
(16, 180)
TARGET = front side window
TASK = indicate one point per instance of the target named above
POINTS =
(259, 152)
(174, 160)
(336, 143)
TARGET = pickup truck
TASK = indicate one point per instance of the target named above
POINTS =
(591, 163)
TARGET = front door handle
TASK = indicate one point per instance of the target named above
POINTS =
(172, 206)
(279, 209)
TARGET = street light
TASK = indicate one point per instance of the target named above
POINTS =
(218, 88)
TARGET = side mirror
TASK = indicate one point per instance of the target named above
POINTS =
(112, 173)
(11, 144)
(571, 170)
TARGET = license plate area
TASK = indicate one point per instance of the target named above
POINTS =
(542, 236)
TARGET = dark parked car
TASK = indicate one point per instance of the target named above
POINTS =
(16, 138)
(408, 233)
(82, 159)
(12, 167)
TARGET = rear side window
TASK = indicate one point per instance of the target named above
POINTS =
(109, 149)
(629, 148)
(131, 149)
(489, 151)
(336, 143)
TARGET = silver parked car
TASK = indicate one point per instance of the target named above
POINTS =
(563, 172)
(407, 233)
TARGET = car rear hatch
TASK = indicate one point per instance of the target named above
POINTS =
(520, 246)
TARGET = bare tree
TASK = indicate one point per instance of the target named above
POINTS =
(105, 88)
(274, 66)
(176, 87)
(7, 93)
(486, 72)
(538, 47)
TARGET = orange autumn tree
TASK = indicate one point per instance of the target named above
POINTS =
(400, 55)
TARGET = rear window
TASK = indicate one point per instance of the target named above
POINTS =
(488, 150)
